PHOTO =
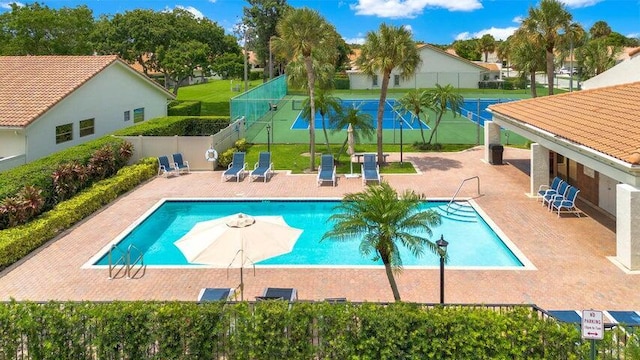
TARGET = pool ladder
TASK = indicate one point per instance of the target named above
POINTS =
(460, 187)
(124, 261)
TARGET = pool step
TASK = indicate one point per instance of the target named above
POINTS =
(457, 211)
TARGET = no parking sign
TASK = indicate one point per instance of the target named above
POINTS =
(592, 325)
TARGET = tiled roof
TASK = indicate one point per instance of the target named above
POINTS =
(31, 85)
(604, 119)
(488, 66)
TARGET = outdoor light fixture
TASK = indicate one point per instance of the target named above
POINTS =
(269, 137)
(442, 251)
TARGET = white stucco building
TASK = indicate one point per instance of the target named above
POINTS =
(624, 72)
(49, 103)
(437, 67)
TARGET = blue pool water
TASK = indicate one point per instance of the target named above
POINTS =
(473, 109)
(471, 241)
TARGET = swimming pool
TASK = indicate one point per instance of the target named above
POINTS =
(472, 243)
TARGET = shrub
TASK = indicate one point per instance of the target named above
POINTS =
(241, 145)
(226, 157)
(427, 147)
(185, 108)
(177, 125)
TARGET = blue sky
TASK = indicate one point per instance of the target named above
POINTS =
(432, 21)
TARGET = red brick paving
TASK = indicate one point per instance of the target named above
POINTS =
(569, 253)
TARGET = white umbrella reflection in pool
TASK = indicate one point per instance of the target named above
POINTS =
(238, 240)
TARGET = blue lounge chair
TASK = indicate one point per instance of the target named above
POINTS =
(567, 202)
(263, 168)
(215, 294)
(562, 191)
(327, 170)
(165, 168)
(370, 169)
(236, 168)
(552, 189)
(288, 294)
(180, 164)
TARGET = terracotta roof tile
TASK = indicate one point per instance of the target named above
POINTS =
(30, 85)
(604, 119)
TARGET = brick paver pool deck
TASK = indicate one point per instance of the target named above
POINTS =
(570, 254)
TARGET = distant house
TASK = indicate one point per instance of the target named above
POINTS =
(49, 103)
(437, 67)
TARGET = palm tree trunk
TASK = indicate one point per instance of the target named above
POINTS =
(421, 129)
(435, 128)
(550, 70)
(392, 280)
(383, 99)
(326, 136)
(534, 90)
(312, 105)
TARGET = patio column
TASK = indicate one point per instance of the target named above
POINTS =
(628, 226)
(539, 167)
(491, 136)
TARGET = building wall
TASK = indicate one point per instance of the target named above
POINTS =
(104, 98)
(11, 143)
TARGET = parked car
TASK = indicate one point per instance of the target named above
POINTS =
(565, 71)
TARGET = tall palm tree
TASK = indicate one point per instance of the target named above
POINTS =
(301, 33)
(361, 122)
(546, 22)
(599, 29)
(528, 57)
(503, 50)
(382, 220)
(391, 47)
(444, 98)
(415, 102)
(595, 57)
(325, 103)
(486, 45)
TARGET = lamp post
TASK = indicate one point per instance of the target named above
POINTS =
(401, 121)
(270, 59)
(442, 251)
(269, 137)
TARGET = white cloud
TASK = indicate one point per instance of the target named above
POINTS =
(212, 1)
(633, 35)
(408, 28)
(356, 40)
(518, 19)
(497, 33)
(7, 5)
(579, 3)
(396, 9)
(191, 9)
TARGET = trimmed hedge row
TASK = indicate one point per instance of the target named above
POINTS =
(278, 330)
(16, 242)
(177, 125)
(184, 108)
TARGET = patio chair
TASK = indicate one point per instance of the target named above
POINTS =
(567, 202)
(180, 164)
(236, 168)
(562, 191)
(288, 294)
(165, 168)
(327, 170)
(215, 294)
(550, 189)
(263, 168)
(370, 169)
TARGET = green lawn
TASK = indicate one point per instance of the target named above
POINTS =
(214, 94)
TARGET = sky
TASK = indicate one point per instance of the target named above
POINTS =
(431, 21)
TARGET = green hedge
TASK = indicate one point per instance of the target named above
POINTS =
(177, 126)
(342, 83)
(185, 108)
(278, 330)
(16, 242)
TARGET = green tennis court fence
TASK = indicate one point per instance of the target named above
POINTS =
(257, 102)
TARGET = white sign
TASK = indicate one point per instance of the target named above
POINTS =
(592, 325)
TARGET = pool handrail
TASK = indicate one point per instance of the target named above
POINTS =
(460, 187)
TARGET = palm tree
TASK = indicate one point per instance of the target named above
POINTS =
(503, 50)
(486, 45)
(444, 98)
(382, 220)
(302, 33)
(527, 56)
(595, 57)
(600, 29)
(391, 47)
(415, 102)
(325, 103)
(361, 122)
(546, 22)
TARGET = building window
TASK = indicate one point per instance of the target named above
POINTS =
(127, 115)
(138, 115)
(64, 133)
(375, 80)
(87, 127)
(396, 80)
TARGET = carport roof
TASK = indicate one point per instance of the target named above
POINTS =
(604, 119)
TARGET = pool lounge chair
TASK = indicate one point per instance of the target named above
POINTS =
(236, 168)
(327, 170)
(181, 165)
(215, 294)
(165, 168)
(567, 202)
(562, 191)
(552, 189)
(288, 294)
(370, 169)
(263, 168)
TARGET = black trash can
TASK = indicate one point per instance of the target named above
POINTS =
(496, 151)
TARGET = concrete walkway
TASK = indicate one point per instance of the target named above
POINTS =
(570, 254)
